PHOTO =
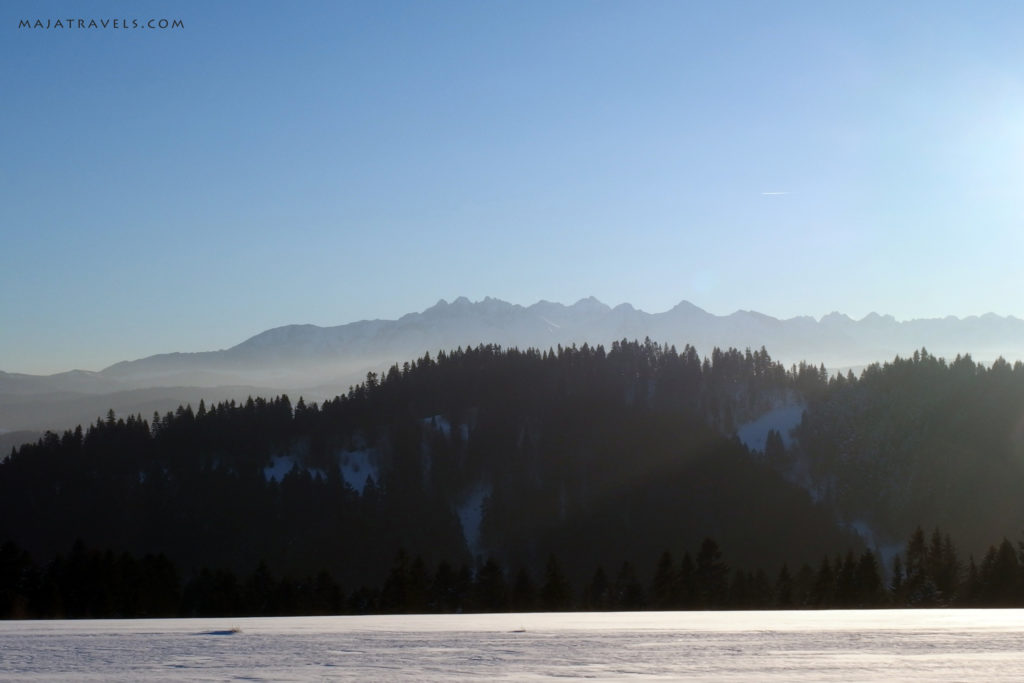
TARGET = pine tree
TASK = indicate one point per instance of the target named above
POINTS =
(491, 593)
(824, 591)
(712, 575)
(898, 586)
(598, 593)
(628, 592)
(687, 582)
(869, 581)
(784, 589)
(524, 593)
(555, 594)
(847, 588)
(664, 592)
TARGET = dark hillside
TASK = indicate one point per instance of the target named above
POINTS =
(598, 456)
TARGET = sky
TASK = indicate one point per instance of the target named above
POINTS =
(268, 163)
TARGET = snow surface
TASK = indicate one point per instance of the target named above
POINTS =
(870, 645)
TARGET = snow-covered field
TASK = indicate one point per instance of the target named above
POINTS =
(922, 645)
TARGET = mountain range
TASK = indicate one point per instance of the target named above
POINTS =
(320, 362)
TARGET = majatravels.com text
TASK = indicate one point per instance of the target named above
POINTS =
(125, 24)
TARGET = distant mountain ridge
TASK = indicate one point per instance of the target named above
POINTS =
(323, 361)
(835, 340)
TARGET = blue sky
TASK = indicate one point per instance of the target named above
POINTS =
(325, 162)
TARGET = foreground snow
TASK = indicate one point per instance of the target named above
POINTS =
(922, 645)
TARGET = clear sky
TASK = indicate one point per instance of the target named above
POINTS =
(323, 162)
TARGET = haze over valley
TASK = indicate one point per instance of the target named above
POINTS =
(321, 362)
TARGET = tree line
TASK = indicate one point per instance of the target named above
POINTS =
(88, 583)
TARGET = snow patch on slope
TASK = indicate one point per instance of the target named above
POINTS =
(864, 530)
(438, 422)
(471, 513)
(783, 418)
(355, 466)
(280, 465)
(885, 551)
(441, 424)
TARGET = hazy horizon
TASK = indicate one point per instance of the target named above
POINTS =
(185, 188)
(454, 300)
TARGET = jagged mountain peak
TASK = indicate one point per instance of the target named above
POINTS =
(877, 319)
(590, 303)
(685, 307)
(835, 317)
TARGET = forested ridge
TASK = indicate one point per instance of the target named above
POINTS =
(92, 584)
(462, 480)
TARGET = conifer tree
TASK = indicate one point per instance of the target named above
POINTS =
(555, 594)
(524, 593)
(491, 593)
(629, 593)
(783, 589)
(824, 591)
(664, 592)
(598, 594)
(712, 575)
